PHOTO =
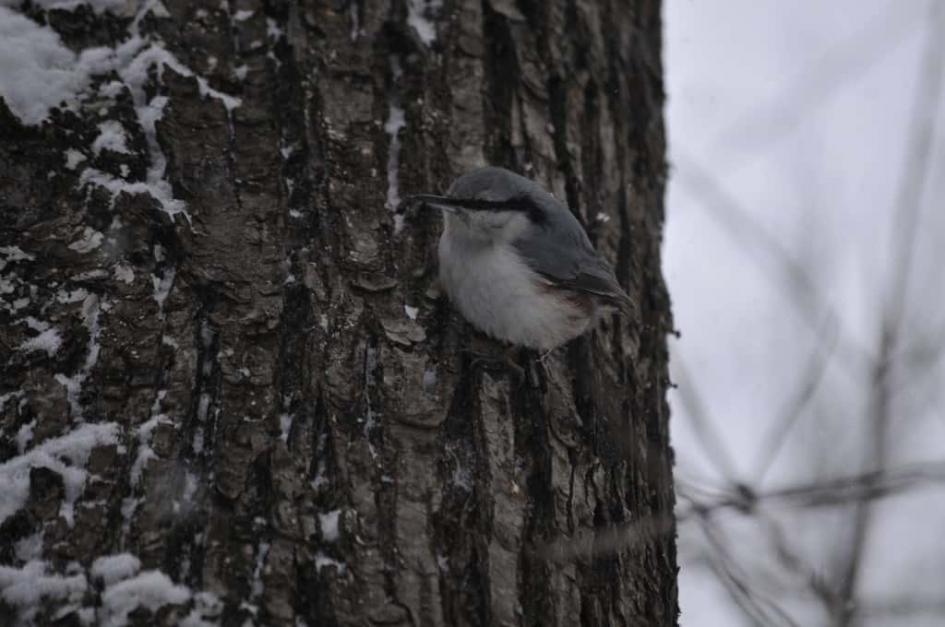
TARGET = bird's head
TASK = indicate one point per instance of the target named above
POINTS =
(491, 204)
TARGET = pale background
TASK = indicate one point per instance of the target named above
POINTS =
(804, 223)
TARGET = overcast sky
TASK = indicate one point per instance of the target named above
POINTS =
(798, 115)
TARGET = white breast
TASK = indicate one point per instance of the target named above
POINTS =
(501, 296)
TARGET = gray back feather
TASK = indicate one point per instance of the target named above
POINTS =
(558, 248)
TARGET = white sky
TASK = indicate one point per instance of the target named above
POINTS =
(798, 113)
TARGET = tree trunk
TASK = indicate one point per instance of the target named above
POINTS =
(230, 389)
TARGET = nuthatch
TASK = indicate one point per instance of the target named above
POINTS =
(516, 262)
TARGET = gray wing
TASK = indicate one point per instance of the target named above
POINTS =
(560, 251)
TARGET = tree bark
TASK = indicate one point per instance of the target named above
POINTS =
(231, 391)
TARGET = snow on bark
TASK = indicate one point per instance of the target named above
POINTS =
(65, 455)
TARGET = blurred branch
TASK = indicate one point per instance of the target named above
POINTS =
(844, 608)
(916, 168)
(701, 421)
(812, 376)
(776, 117)
(783, 269)
(755, 605)
(830, 492)
(909, 203)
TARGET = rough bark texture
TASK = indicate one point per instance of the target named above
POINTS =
(276, 359)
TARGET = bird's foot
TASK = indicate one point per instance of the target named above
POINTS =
(504, 361)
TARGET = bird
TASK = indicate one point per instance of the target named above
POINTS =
(517, 264)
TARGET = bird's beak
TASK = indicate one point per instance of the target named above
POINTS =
(436, 202)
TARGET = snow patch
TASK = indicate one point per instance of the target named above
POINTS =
(273, 30)
(323, 561)
(111, 136)
(421, 15)
(145, 452)
(29, 548)
(48, 340)
(24, 435)
(91, 309)
(261, 554)
(411, 312)
(73, 158)
(162, 287)
(429, 380)
(65, 455)
(37, 72)
(91, 239)
(151, 589)
(67, 296)
(285, 426)
(113, 568)
(329, 524)
(122, 8)
(206, 613)
(124, 273)
(23, 588)
(14, 254)
(396, 120)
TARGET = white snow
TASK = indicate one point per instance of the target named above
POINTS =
(25, 587)
(48, 340)
(329, 525)
(355, 20)
(113, 568)
(206, 612)
(162, 287)
(66, 455)
(24, 435)
(111, 89)
(243, 15)
(145, 452)
(9, 396)
(67, 296)
(411, 312)
(285, 426)
(429, 379)
(29, 548)
(261, 554)
(149, 112)
(73, 158)
(91, 309)
(111, 136)
(151, 589)
(14, 253)
(91, 239)
(323, 561)
(124, 273)
(273, 30)
(36, 71)
(396, 120)
(119, 7)
(420, 14)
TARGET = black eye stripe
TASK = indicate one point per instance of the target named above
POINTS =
(518, 203)
(523, 204)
